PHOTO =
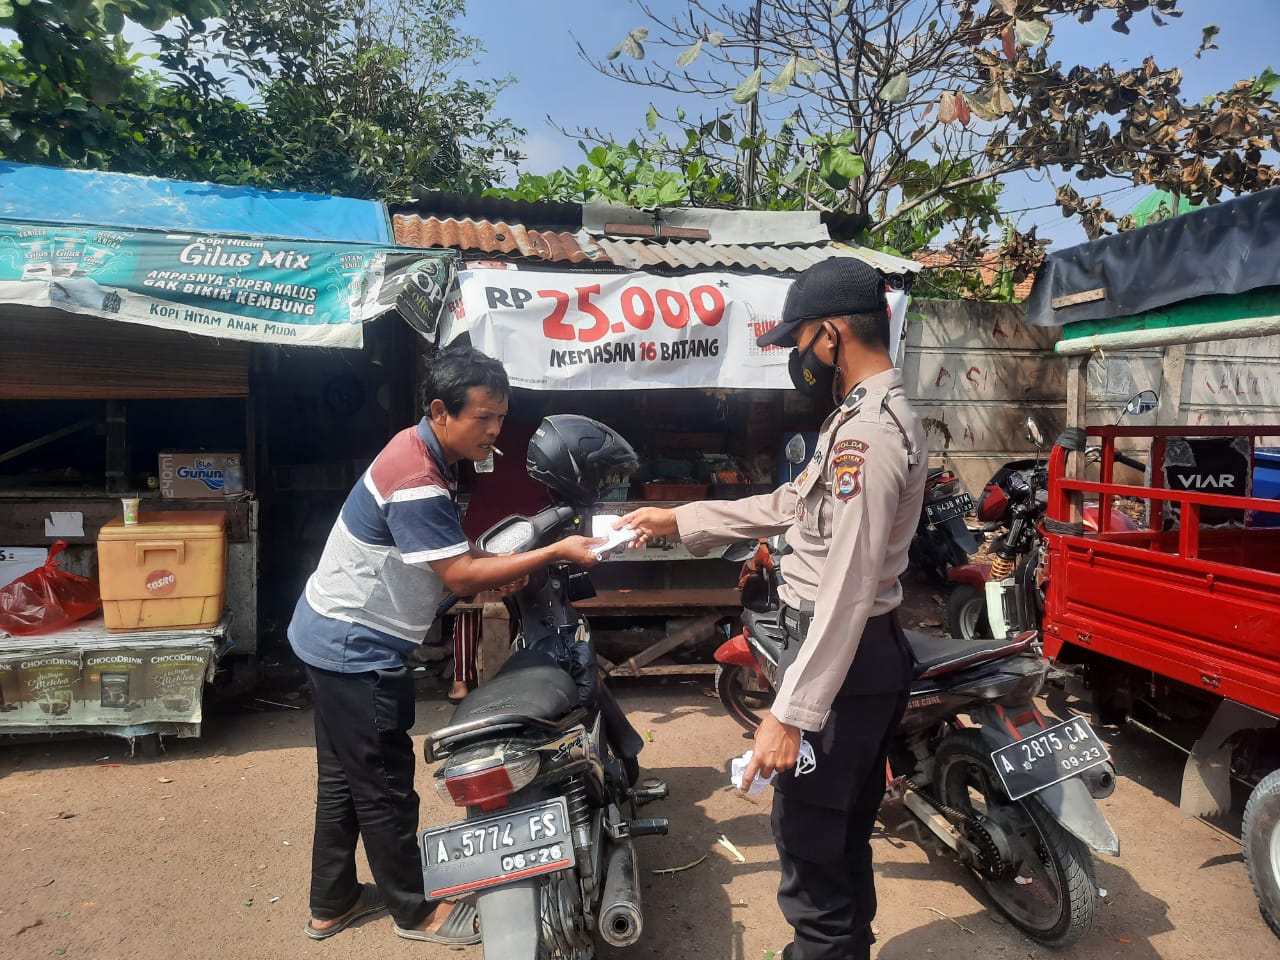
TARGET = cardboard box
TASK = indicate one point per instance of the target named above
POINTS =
(200, 474)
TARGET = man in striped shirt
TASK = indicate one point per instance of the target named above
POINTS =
(396, 547)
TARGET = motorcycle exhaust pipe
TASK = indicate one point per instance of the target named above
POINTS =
(620, 918)
(1101, 780)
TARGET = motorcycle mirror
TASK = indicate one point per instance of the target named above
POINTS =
(1033, 433)
(1140, 403)
(794, 449)
(740, 552)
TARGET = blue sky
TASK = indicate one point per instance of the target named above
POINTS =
(535, 42)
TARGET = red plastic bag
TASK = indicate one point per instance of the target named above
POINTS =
(47, 598)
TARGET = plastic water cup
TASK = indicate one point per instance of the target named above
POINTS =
(130, 510)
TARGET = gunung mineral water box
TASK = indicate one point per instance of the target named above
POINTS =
(167, 570)
(196, 476)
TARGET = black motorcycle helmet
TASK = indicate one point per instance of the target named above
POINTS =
(573, 456)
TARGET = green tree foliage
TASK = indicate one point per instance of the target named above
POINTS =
(329, 96)
(905, 112)
(70, 91)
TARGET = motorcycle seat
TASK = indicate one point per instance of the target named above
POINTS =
(936, 656)
(529, 684)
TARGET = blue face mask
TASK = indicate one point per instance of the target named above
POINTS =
(812, 376)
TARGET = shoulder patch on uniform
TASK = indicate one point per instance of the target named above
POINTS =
(857, 446)
(847, 483)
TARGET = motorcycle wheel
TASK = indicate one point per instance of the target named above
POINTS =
(1047, 888)
(739, 689)
(1261, 835)
(967, 613)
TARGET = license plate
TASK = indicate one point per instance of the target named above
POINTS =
(943, 510)
(496, 849)
(1048, 757)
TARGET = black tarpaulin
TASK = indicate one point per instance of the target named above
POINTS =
(1230, 247)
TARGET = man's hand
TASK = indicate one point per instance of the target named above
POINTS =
(777, 748)
(647, 522)
(580, 550)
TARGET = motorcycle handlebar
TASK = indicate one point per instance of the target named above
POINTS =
(1129, 461)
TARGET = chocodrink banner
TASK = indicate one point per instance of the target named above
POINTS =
(262, 290)
(110, 684)
(632, 331)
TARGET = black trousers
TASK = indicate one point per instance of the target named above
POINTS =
(365, 766)
(823, 818)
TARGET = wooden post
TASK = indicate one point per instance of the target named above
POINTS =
(1077, 402)
(1169, 410)
(117, 463)
(494, 646)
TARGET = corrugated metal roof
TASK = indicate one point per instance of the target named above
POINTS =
(516, 241)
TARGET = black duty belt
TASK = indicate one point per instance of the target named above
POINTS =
(796, 621)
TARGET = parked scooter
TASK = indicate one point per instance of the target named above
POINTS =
(542, 757)
(943, 540)
(1014, 501)
(1010, 792)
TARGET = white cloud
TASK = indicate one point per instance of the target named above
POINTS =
(547, 152)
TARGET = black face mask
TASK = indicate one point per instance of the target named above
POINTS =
(812, 376)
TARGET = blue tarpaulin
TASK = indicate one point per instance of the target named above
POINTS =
(94, 198)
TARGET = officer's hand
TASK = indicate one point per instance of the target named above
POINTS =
(777, 747)
(647, 522)
(579, 550)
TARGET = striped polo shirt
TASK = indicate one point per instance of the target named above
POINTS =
(373, 594)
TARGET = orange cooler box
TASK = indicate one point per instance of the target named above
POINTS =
(167, 570)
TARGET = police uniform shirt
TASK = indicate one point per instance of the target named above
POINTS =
(849, 519)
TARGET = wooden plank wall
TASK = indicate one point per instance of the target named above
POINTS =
(975, 372)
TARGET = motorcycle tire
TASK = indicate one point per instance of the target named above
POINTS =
(1066, 891)
(967, 613)
(736, 687)
(1261, 835)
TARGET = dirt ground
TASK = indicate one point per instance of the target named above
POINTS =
(203, 853)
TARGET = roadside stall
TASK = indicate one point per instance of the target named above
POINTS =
(1179, 621)
(147, 324)
(647, 321)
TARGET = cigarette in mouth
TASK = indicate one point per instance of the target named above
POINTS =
(497, 451)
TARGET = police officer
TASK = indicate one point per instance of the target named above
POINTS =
(848, 519)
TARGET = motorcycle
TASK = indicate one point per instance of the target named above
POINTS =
(943, 541)
(1011, 793)
(542, 757)
(1015, 500)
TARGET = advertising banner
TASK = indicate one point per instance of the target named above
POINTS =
(634, 331)
(106, 683)
(266, 291)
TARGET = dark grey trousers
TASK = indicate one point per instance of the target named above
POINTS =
(822, 820)
(365, 767)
